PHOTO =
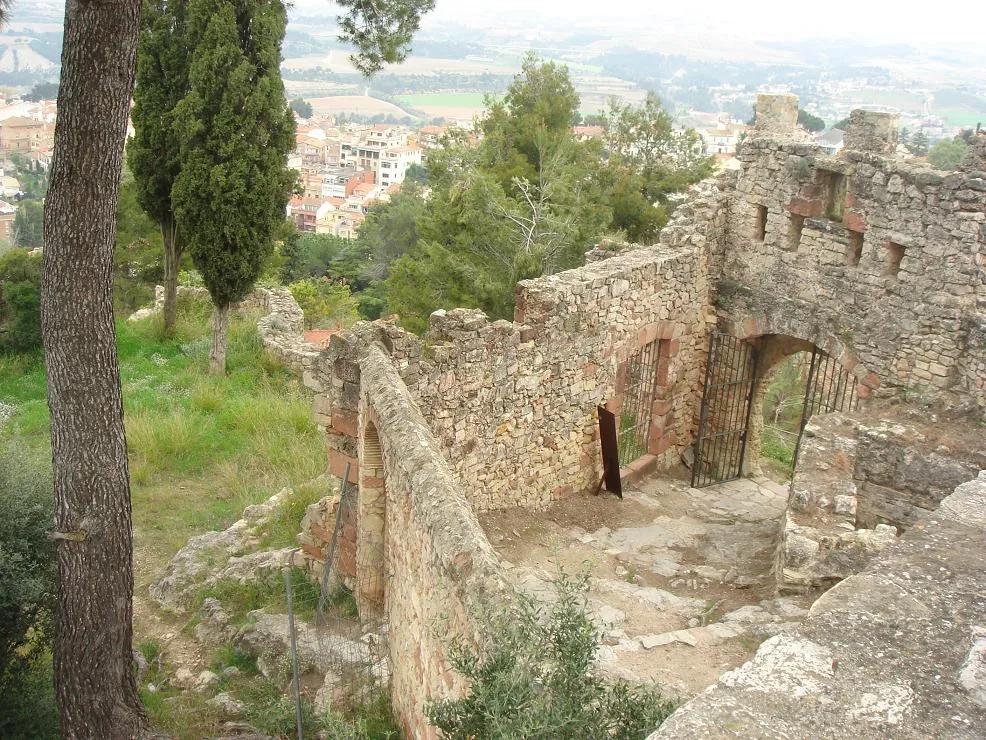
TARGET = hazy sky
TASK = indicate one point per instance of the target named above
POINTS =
(910, 21)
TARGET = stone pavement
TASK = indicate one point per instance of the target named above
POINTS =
(681, 581)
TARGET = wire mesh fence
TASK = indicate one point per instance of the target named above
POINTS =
(337, 627)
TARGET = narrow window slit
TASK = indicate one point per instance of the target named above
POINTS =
(797, 225)
(895, 253)
(761, 225)
(855, 248)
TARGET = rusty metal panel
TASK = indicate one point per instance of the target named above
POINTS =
(611, 451)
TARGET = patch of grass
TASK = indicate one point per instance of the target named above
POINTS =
(201, 448)
(267, 591)
(151, 650)
(228, 656)
(282, 528)
(777, 446)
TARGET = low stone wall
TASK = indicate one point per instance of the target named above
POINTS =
(158, 306)
(282, 332)
(435, 571)
(858, 483)
(898, 650)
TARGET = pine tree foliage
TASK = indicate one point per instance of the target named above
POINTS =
(381, 30)
(529, 198)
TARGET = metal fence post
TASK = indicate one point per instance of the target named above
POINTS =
(294, 653)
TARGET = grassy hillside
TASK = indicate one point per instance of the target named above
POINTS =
(201, 448)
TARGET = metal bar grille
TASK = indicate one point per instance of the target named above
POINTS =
(731, 369)
(638, 402)
(830, 387)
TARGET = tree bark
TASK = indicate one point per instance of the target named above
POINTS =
(220, 339)
(94, 679)
(172, 260)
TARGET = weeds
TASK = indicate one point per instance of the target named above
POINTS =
(281, 530)
(265, 591)
(536, 678)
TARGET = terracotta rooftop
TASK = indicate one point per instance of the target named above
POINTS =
(320, 337)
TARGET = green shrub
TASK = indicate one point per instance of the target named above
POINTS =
(537, 679)
(20, 301)
(327, 305)
(27, 701)
(27, 587)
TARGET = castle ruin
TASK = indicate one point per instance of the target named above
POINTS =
(874, 264)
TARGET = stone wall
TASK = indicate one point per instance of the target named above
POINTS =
(485, 415)
(421, 557)
(858, 483)
(513, 404)
(898, 650)
(282, 332)
(876, 259)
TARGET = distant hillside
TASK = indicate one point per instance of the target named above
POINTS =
(20, 56)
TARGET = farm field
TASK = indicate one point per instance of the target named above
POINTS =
(458, 106)
(338, 61)
(965, 117)
(361, 104)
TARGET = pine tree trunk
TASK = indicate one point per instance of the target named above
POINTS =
(220, 339)
(94, 679)
(172, 257)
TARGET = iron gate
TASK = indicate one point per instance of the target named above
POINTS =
(830, 387)
(636, 410)
(730, 374)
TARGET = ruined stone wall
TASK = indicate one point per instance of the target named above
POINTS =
(513, 404)
(858, 483)
(876, 259)
(421, 555)
(282, 332)
(484, 415)
(898, 650)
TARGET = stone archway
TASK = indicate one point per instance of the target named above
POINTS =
(777, 335)
(839, 387)
(372, 528)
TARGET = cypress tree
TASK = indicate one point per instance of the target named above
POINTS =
(152, 154)
(235, 130)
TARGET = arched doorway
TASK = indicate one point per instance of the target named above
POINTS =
(372, 527)
(739, 377)
(797, 381)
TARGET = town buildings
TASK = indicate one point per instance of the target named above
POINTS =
(344, 169)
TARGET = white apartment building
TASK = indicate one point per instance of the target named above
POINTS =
(394, 163)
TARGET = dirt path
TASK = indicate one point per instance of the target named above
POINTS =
(681, 578)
